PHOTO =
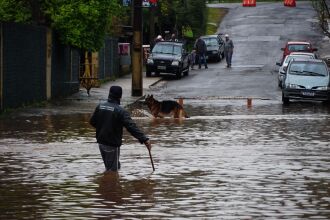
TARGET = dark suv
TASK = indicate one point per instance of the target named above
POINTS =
(168, 57)
(215, 47)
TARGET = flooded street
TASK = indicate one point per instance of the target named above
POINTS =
(225, 162)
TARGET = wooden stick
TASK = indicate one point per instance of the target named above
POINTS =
(152, 162)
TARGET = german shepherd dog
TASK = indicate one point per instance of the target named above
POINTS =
(164, 108)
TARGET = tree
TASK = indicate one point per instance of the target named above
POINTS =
(14, 10)
(197, 11)
(174, 15)
(79, 23)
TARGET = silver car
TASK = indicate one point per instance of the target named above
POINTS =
(306, 80)
(288, 58)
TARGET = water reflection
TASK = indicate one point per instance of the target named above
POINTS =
(267, 162)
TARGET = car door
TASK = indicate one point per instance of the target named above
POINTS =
(221, 45)
(185, 60)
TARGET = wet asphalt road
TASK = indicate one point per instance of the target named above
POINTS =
(227, 161)
(258, 34)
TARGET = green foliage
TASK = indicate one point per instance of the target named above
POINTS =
(182, 15)
(80, 23)
(16, 11)
(214, 17)
(197, 11)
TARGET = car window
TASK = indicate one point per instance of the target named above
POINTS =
(167, 49)
(211, 41)
(298, 47)
(308, 69)
(289, 58)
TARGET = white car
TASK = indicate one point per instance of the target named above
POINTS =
(306, 80)
(288, 58)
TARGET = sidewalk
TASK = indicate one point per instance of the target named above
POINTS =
(101, 94)
(80, 102)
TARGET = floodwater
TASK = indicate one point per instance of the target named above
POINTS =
(225, 162)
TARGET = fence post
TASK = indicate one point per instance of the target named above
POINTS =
(48, 64)
(1, 68)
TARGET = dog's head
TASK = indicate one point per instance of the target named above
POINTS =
(149, 100)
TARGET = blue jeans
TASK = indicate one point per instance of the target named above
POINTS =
(228, 55)
(201, 57)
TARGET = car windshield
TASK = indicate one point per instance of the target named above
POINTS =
(167, 49)
(299, 47)
(290, 57)
(210, 41)
(308, 69)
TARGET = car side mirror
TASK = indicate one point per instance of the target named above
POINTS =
(285, 69)
(282, 49)
(278, 63)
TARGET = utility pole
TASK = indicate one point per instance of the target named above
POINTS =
(152, 24)
(137, 83)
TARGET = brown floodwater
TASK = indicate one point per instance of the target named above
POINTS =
(225, 162)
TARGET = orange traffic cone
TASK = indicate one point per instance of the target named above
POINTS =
(290, 3)
(249, 3)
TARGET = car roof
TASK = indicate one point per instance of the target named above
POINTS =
(298, 42)
(211, 35)
(298, 57)
(307, 60)
(171, 42)
(302, 53)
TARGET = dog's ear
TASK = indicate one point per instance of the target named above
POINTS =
(151, 96)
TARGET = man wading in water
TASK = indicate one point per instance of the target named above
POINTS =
(109, 118)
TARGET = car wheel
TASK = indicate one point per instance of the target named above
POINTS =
(179, 74)
(327, 102)
(218, 59)
(148, 73)
(285, 100)
(186, 73)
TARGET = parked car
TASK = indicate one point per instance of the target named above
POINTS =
(215, 47)
(288, 58)
(297, 46)
(168, 57)
(306, 80)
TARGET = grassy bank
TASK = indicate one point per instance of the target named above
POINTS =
(214, 18)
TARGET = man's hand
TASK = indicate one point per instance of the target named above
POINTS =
(148, 144)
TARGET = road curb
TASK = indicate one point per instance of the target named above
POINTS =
(143, 96)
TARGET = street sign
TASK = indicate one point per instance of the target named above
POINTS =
(149, 3)
(127, 2)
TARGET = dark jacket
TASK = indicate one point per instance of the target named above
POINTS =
(109, 119)
(200, 46)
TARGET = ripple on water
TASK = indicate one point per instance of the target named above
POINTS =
(264, 163)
